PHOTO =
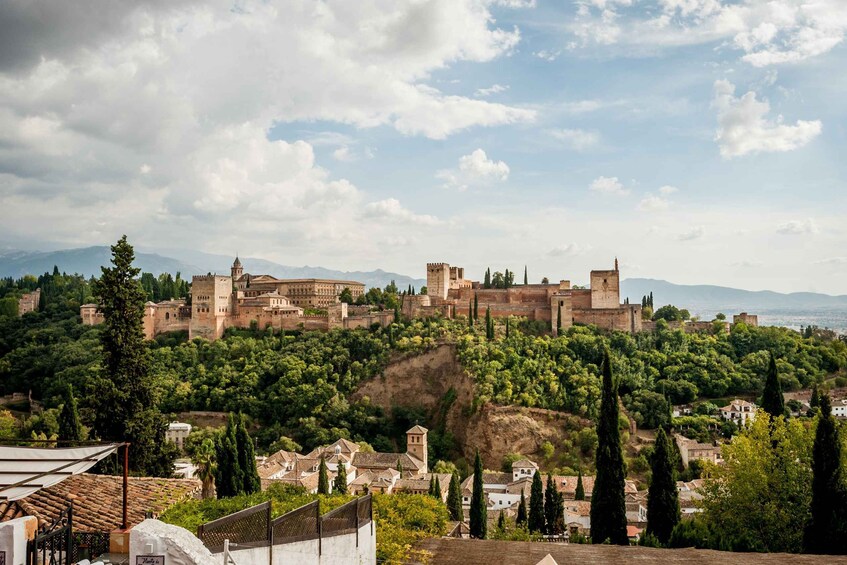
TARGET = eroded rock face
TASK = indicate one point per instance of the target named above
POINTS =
(178, 545)
(424, 381)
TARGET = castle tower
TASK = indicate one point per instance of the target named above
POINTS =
(211, 304)
(437, 279)
(416, 445)
(237, 270)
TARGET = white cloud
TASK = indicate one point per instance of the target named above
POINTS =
(390, 209)
(653, 203)
(475, 169)
(577, 139)
(744, 126)
(766, 32)
(515, 4)
(493, 89)
(608, 185)
(667, 189)
(798, 227)
(832, 261)
(547, 55)
(692, 234)
(567, 249)
(192, 89)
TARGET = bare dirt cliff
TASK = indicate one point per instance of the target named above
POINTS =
(426, 380)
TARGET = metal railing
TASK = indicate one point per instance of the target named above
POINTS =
(253, 526)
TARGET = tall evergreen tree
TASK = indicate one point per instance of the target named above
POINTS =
(536, 505)
(487, 281)
(475, 307)
(489, 324)
(246, 459)
(772, 400)
(551, 496)
(662, 497)
(479, 511)
(454, 498)
(228, 477)
(431, 490)
(436, 489)
(339, 485)
(125, 407)
(525, 277)
(323, 477)
(559, 525)
(826, 531)
(70, 428)
(579, 493)
(470, 314)
(608, 503)
(521, 519)
(507, 328)
(559, 320)
(501, 522)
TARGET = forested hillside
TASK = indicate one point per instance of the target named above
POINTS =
(298, 386)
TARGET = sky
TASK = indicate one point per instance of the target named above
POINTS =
(698, 141)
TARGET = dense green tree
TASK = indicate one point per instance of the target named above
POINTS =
(537, 519)
(246, 459)
(551, 496)
(608, 504)
(229, 480)
(521, 518)
(579, 493)
(70, 427)
(487, 282)
(559, 320)
(470, 314)
(479, 510)
(662, 496)
(476, 307)
(507, 328)
(431, 490)
(436, 490)
(454, 498)
(125, 409)
(489, 324)
(323, 477)
(826, 531)
(339, 484)
(501, 522)
(346, 296)
(525, 277)
(772, 400)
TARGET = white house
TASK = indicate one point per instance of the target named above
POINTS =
(177, 433)
(839, 410)
(739, 411)
(523, 469)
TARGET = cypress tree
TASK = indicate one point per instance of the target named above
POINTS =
(579, 493)
(125, 408)
(228, 477)
(479, 511)
(487, 282)
(431, 491)
(551, 499)
(501, 522)
(507, 328)
(608, 503)
(454, 498)
(507, 279)
(476, 307)
(521, 517)
(525, 278)
(323, 477)
(489, 324)
(70, 428)
(246, 459)
(400, 468)
(436, 489)
(470, 314)
(339, 485)
(559, 524)
(662, 497)
(536, 505)
(559, 320)
(772, 400)
(825, 532)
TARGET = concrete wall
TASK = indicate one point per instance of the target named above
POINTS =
(14, 535)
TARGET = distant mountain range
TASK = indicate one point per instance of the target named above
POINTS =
(703, 300)
(88, 260)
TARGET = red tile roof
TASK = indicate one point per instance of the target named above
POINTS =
(97, 500)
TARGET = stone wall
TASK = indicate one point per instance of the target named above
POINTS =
(623, 318)
(29, 302)
(437, 279)
(211, 304)
(605, 289)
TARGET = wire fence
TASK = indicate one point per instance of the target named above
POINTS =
(250, 527)
(253, 526)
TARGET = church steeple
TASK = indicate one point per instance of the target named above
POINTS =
(237, 270)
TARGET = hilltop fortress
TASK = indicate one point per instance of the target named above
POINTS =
(242, 300)
(449, 293)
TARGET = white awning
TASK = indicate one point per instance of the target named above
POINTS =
(25, 470)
